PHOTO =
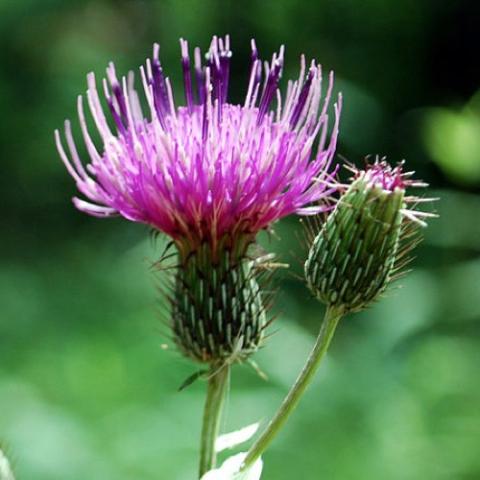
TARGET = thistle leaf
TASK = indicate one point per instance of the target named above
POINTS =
(5, 469)
(232, 439)
(192, 378)
(230, 470)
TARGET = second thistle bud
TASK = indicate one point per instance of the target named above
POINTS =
(353, 257)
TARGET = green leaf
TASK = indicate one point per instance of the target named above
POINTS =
(5, 469)
(232, 439)
(230, 470)
(453, 141)
(192, 378)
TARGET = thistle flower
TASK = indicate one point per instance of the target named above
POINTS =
(209, 174)
(366, 239)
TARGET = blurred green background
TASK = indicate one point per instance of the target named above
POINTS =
(87, 392)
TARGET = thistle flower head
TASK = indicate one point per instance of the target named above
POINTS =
(365, 239)
(210, 174)
(209, 168)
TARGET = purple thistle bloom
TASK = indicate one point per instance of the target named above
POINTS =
(209, 168)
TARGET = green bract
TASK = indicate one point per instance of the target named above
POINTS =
(218, 313)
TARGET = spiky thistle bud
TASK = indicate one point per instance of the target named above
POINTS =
(364, 241)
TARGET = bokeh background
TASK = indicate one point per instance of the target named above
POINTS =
(86, 389)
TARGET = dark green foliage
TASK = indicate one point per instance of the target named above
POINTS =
(217, 309)
(353, 257)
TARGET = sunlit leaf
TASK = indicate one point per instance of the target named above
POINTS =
(232, 439)
(5, 470)
(453, 141)
(230, 470)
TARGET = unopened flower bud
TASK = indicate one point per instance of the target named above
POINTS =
(360, 247)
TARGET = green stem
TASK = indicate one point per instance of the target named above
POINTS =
(216, 390)
(330, 322)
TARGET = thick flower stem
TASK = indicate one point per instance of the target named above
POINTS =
(330, 322)
(216, 392)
